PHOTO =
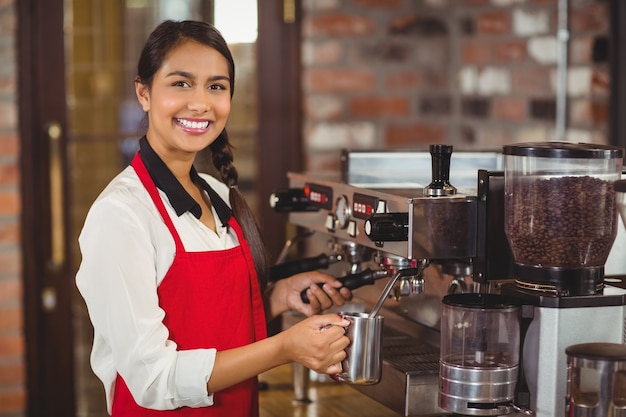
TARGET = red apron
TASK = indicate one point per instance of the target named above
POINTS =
(211, 300)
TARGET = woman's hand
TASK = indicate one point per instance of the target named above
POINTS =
(331, 294)
(285, 294)
(317, 342)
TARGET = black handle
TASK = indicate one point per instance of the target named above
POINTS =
(287, 269)
(291, 200)
(440, 185)
(352, 282)
(387, 227)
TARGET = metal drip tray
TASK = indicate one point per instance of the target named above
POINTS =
(410, 378)
(411, 356)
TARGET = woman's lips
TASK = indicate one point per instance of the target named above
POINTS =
(193, 125)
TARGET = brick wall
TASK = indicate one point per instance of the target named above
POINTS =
(473, 73)
(12, 350)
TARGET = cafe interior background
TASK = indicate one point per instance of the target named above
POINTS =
(318, 76)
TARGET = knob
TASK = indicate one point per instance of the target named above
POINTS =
(440, 185)
(387, 227)
(291, 200)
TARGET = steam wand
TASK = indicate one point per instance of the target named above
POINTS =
(408, 272)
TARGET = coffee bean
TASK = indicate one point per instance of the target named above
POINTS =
(561, 222)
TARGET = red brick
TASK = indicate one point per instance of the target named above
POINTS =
(12, 373)
(11, 318)
(531, 80)
(11, 346)
(9, 174)
(476, 52)
(594, 18)
(9, 203)
(510, 51)
(12, 401)
(338, 80)
(510, 108)
(600, 83)
(10, 233)
(338, 24)
(379, 4)
(494, 23)
(379, 106)
(10, 290)
(414, 135)
(414, 80)
(9, 144)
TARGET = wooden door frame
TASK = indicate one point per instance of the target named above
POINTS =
(41, 92)
(280, 133)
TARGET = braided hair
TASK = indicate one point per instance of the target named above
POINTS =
(167, 36)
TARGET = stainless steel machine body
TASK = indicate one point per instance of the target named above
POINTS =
(377, 202)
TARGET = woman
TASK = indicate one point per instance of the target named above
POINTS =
(173, 278)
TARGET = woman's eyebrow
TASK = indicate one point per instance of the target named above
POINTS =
(184, 74)
(188, 75)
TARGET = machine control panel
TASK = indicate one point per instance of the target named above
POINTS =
(319, 195)
(398, 221)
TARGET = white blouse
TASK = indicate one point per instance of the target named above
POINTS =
(126, 251)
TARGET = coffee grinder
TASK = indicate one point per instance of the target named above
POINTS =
(561, 221)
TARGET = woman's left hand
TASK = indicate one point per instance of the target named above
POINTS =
(332, 293)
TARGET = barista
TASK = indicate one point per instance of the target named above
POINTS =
(174, 276)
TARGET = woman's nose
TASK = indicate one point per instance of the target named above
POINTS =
(199, 102)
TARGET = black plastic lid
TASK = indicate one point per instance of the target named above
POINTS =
(564, 150)
(602, 351)
(481, 301)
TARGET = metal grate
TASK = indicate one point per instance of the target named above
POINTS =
(411, 356)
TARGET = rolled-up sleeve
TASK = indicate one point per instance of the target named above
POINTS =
(118, 278)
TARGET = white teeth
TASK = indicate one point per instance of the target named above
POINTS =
(193, 125)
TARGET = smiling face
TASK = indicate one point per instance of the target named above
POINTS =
(188, 102)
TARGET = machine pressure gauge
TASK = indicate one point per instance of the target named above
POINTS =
(342, 211)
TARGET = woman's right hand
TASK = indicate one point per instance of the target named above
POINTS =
(318, 342)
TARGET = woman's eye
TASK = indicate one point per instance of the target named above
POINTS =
(216, 87)
(180, 84)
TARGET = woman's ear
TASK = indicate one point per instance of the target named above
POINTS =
(143, 94)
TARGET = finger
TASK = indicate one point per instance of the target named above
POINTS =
(346, 293)
(335, 295)
(321, 295)
(334, 369)
(329, 321)
(313, 300)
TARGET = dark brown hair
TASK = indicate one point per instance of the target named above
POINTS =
(167, 36)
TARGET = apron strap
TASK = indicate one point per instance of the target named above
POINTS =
(260, 325)
(147, 182)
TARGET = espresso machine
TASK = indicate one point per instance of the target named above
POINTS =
(476, 219)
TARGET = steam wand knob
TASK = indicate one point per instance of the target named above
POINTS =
(440, 185)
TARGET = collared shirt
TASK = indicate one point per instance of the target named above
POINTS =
(126, 251)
